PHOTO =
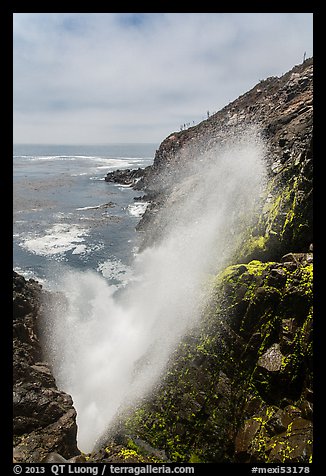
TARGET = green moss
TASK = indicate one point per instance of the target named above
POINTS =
(86, 456)
(234, 274)
(126, 453)
(290, 196)
(306, 281)
(256, 267)
(175, 456)
(186, 432)
(194, 458)
(229, 274)
(255, 246)
(132, 446)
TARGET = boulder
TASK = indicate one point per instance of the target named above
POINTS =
(272, 359)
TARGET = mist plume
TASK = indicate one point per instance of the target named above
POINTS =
(109, 349)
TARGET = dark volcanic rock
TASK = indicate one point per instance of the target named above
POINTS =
(126, 176)
(44, 419)
(272, 359)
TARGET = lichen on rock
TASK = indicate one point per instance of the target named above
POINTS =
(234, 391)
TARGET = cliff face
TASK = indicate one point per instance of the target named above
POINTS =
(282, 108)
(239, 389)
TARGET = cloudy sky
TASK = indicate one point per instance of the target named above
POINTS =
(96, 78)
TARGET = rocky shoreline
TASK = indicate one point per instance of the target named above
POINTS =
(239, 389)
(44, 417)
(128, 177)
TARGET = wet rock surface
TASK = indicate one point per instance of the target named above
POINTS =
(128, 177)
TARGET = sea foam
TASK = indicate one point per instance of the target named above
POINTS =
(56, 240)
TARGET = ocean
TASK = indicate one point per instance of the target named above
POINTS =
(65, 214)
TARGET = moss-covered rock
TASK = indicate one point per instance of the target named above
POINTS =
(236, 389)
(285, 221)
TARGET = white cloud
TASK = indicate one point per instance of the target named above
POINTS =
(131, 77)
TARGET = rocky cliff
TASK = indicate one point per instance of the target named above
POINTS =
(239, 388)
(44, 420)
(282, 108)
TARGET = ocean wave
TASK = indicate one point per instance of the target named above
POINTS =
(137, 209)
(122, 186)
(57, 240)
(63, 215)
(95, 207)
(34, 158)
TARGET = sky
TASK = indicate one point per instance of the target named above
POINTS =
(98, 78)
